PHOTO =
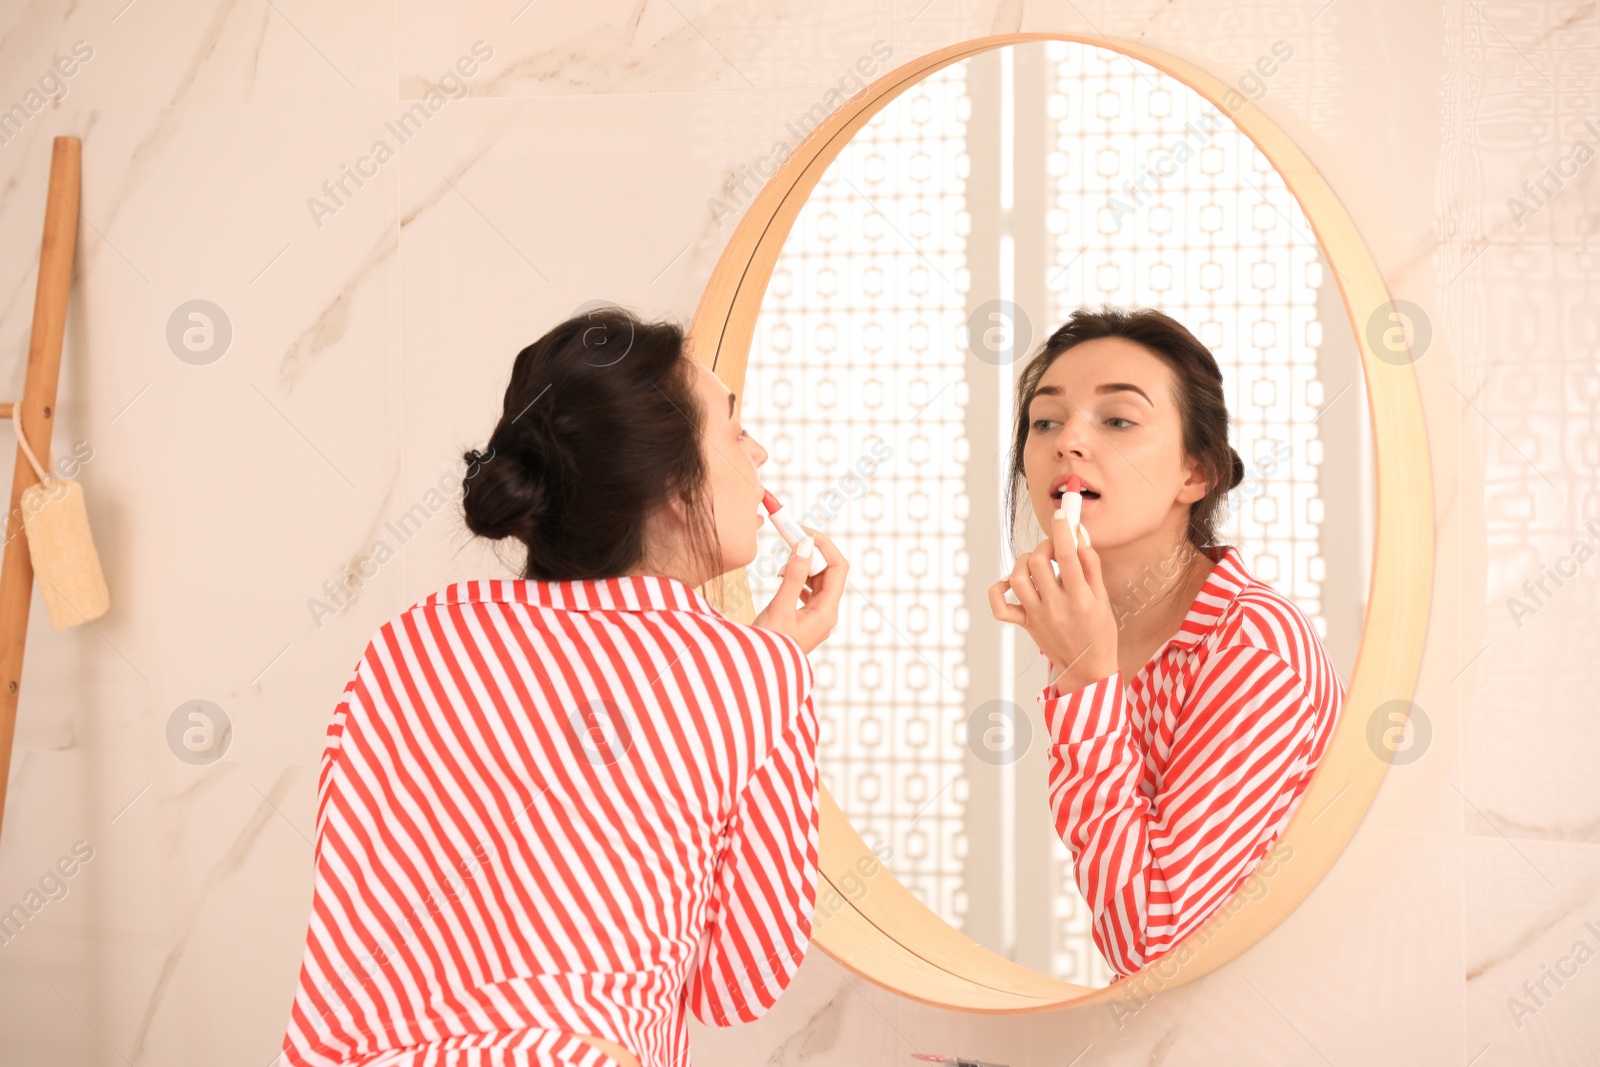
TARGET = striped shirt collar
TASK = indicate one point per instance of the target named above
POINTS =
(1223, 585)
(627, 592)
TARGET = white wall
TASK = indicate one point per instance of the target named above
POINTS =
(370, 350)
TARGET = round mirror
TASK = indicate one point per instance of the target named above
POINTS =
(874, 312)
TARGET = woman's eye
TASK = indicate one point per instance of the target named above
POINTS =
(1116, 422)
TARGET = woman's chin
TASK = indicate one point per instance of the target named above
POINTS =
(737, 556)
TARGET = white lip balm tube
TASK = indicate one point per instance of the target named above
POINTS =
(790, 530)
(1071, 509)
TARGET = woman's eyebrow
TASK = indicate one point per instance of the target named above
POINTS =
(1123, 387)
(1105, 387)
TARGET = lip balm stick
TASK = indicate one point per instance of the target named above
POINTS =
(789, 530)
(1071, 507)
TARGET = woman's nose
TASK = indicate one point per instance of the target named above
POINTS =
(1070, 437)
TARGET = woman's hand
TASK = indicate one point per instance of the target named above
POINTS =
(1069, 617)
(819, 597)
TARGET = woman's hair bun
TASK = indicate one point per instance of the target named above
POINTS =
(1238, 469)
(600, 427)
(507, 491)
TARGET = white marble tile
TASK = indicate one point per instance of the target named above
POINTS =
(148, 56)
(179, 907)
(543, 49)
(1533, 935)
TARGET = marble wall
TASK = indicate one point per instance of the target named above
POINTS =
(371, 332)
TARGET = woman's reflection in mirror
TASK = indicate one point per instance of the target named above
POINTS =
(1187, 701)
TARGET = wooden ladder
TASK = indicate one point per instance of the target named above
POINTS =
(35, 416)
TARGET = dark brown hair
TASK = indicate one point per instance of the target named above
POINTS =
(599, 429)
(1201, 406)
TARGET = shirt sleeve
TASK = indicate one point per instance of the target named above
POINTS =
(758, 925)
(333, 741)
(1154, 868)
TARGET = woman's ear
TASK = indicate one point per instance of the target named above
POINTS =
(1195, 483)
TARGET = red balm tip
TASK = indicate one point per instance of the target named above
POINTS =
(1074, 485)
(770, 502)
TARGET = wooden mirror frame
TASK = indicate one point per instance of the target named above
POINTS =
(865, 918)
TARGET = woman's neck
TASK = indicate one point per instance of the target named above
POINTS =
(1151, 584)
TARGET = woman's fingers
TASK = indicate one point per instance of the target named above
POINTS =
(834, 573)
(1022, 583)
(1058, 564)
(1003, 611)
(827, 588)
(1047, 585)
(1091, 564)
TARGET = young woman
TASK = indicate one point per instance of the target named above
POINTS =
(1188, 702)
(555, 812)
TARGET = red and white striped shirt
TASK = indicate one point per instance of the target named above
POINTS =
(1169, 791)
(548, 808)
